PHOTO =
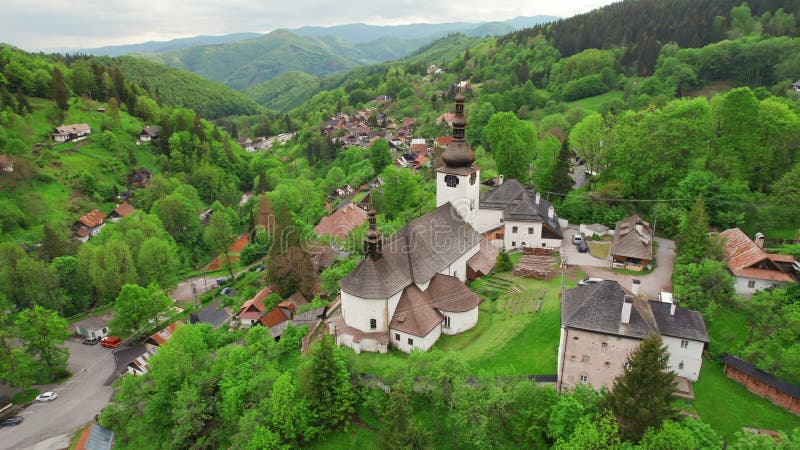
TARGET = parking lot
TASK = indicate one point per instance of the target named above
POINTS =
(79, 399)
(576, 258)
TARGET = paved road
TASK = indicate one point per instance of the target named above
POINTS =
(660, 279)
(79, 399)
(184, 293)
(576, 258)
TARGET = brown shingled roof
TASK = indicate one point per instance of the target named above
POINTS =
(633, 238)
(254, 306)
(124, 208)
(274, 317)
(742, 254)
(92, 219)
(342, 221)
(451, 295)
(415, 314)
(484, 261)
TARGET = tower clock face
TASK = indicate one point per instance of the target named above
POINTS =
(451, 180)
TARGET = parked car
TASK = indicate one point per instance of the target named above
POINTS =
(582, 247)
(14, 420)
(225, 291)
(577, 239)
(221, 281)
(110, 342)
(48, 396)
(90, 341)
(589, 280)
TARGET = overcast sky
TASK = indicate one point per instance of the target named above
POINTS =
(45, 24)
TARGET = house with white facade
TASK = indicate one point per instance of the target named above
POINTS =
(74, 132)
(754, 268)
(602, 323)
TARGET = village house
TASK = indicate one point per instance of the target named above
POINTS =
(89, 225)
(93, 327)
(252, 310)
(122, 210)
(601, 324)
(149, 133)
(74, 132)
(140, 177)
(342, 221)
(632, 247)
(136, 360)
(796, 86)
(214, 315)
(446, 119)
(754, 268)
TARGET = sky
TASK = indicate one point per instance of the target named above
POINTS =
(50, 24)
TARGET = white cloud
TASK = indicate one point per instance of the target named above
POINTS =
(40, 24)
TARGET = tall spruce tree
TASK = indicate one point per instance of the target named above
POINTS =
(60, 90)
(692, 243)
(326, 385)
(642, 396)
(562, 182)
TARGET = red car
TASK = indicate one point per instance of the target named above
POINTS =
(110, 341)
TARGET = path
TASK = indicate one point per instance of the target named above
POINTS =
(660, 279)
(79, 399)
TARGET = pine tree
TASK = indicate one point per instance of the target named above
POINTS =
(400, 429)
(60, 90)
(562, 182)
(692, 243)
(642, 396)
(326, 385)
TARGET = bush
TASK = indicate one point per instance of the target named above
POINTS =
(588, 86)
(25, 396)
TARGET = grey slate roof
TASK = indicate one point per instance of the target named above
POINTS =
(99, 438)
(211, 315)
(598, 307)
(686, 324)
(519, 203)
(420, 250)
(127, 355)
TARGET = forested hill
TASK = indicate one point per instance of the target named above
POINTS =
(643, 26)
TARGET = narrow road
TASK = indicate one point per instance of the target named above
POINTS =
(660, 279)
(79, 399)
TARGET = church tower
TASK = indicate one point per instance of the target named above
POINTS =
(458, 180)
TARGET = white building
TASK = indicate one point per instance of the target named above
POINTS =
(601, 324)
(754, 268)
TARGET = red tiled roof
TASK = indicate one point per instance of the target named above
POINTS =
(273, 318)
(742, 254)
(287, 304)
(255, 304)
(419, 149)
(444, 141)
(82, 232)
(342, 221)
(92, 218)
(162, 336)
(447, 117)
(124, 208)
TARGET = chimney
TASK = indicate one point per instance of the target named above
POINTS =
(672, 307)
(759, 240)
(537, 198)
(627, 306)
(550, 211)
(635, 286)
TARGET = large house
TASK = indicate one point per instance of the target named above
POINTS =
(601, 324)
(89, 225)
(754, 268)
(633, 243)
(74, 132)
(149, 133)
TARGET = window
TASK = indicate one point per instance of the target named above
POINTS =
(472, 178)
(684, 344)
(627, 365)
(604, 346)
(498, 236)
(410, 341)
(513, 243)
(513, 229)
(530, 230)
(584, 379)
(446, 321)
(680, 365)
(608, 364)
(751, 284)
(373, 324)
(105, 330)
(397, 337)
(574, 338)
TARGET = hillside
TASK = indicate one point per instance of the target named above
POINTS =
(160, 46)
(286, 91)
(181, 88)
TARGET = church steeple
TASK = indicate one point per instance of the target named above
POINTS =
(458, 153)
(373, 243)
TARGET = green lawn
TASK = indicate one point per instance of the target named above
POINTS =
(594, 103)
(510, 337)
(728, 331)
(728, 406)
(599, 249)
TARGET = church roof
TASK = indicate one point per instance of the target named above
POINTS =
(450, 294)
(420, 250)
(415, 313)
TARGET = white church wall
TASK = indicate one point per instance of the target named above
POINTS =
(488, 219)
(405, 342)
(521, 238)
(458, 268)
(459, 321)
(691, 355)
(392, 303)
(357, 312)
(465, 196)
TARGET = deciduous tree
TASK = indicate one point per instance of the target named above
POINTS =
(42, 331)
(219, 236)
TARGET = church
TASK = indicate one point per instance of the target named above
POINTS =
(409, 290)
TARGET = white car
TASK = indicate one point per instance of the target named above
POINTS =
(47, 396)
(589, 280)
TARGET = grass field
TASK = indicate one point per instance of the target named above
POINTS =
(599, 249)
(728, 406)
(594, 103)
(510, 337)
